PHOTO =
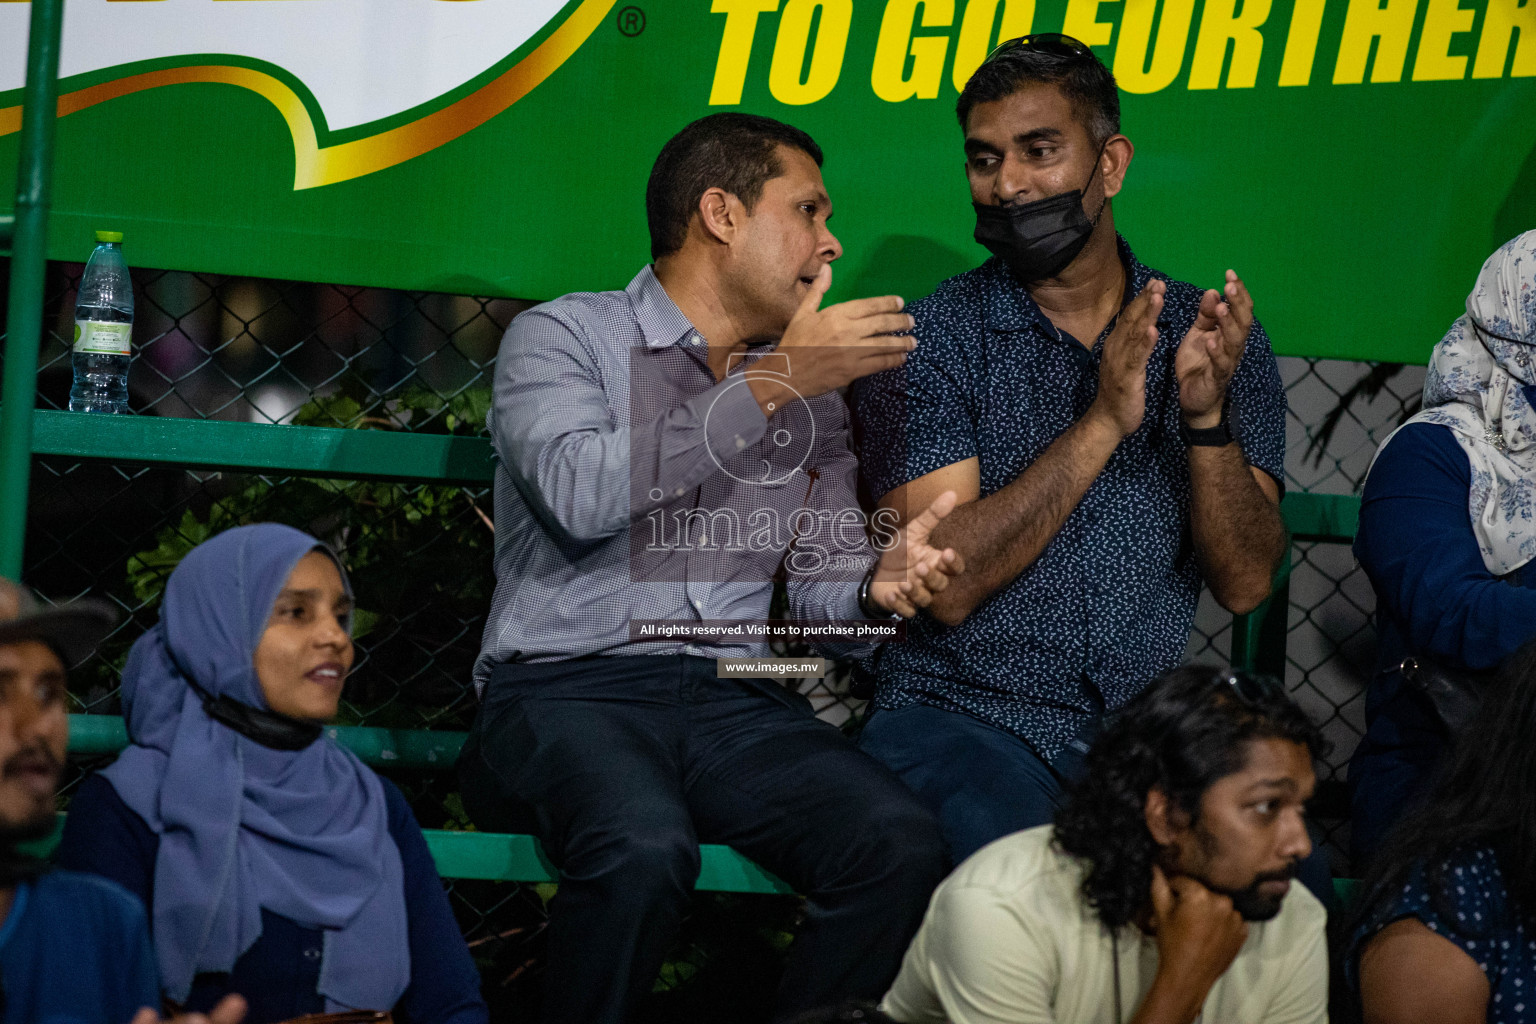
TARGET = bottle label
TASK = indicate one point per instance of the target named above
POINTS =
(100, 337)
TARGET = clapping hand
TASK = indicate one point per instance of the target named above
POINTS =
(1210, 352)
(1122, 397)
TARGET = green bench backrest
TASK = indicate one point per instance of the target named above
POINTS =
(401, 455)
(1258, 639)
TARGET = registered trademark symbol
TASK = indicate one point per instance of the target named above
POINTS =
(631, 21)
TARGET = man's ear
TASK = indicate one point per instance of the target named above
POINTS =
(720, 215)
(1114, 162)
(1159, 817)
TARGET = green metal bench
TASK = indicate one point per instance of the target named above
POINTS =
(347, 454)
(1258, 639)
(491, 856)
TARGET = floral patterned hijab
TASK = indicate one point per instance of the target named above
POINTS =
(1480, 385)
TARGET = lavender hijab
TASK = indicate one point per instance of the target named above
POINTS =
(303, 833)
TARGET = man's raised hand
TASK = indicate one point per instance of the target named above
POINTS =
(1122, 398)
(1199, 932)
(829, 348)
(1209, 354)
(913, 570)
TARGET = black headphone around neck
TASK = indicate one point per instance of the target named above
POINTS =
(270, 729)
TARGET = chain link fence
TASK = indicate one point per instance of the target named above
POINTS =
(1339, 413)
(420, 556)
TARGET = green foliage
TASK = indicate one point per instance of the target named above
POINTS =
(458, 817)
(420, 560)
(727, 961)
(675, 973)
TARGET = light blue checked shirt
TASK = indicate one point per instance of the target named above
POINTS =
(631, 485)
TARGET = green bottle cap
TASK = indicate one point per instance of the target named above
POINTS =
(109, 236)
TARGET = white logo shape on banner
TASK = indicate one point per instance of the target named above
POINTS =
(360, 64)
(363, 60)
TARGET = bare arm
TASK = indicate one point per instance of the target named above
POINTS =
(1234, 509)
(1238, 533)
(1001, 535)
(1410, 975)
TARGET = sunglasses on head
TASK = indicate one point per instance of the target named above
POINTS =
(1054, 43)
(1252, 690)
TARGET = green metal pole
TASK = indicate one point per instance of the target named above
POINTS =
(29, 244)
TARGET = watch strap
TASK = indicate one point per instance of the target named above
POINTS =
(1218, 436)
(866, 603)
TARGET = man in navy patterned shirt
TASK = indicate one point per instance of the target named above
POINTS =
(1115, 439)
(621, 421)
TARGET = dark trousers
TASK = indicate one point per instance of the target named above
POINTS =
(984, 783)
(622, 766)
(981, 782)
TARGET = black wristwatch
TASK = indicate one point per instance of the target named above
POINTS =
(866, 604)
(1218, 436)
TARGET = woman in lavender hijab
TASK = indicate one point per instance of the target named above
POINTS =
(1448, 532)
(273, 863)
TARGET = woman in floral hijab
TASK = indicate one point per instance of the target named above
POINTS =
(1478, 385)
(1448, 532)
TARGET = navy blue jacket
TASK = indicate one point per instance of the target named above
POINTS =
(278, 974)
(1434, 594)
(75, 948)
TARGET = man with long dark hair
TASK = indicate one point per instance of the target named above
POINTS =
(1445, 932)
(1162, 893)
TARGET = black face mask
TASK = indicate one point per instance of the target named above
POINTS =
(1037, 240)
(270, 729)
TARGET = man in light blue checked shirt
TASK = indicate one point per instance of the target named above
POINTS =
(665, 453)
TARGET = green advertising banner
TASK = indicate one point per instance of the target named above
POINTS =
(1354, 160)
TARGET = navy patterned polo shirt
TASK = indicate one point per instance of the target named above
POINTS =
(1109, 602)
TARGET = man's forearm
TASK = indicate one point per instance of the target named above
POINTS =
(1002, 534)
(1172, 999)
(1238, 533)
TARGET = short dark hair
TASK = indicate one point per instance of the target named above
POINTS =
(1087, 84)
(736, 152)
(1186, 731)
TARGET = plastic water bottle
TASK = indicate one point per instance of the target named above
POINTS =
(103, 327)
